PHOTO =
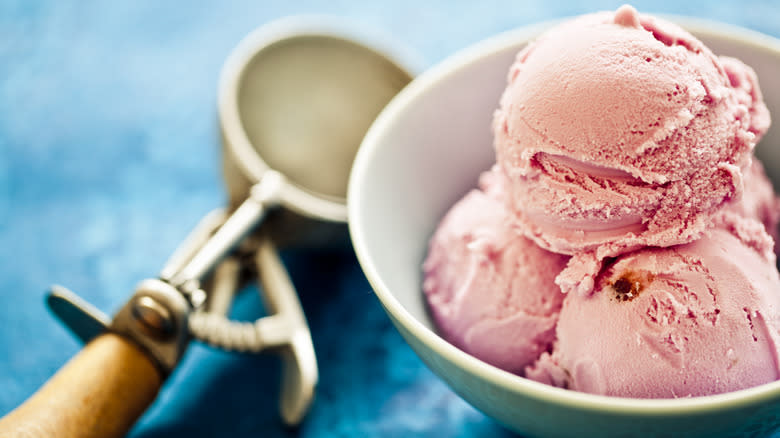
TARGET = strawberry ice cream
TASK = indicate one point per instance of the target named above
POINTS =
(490, 289)
(688, 320)
(619, 130)
(625, 181)
(758, 200)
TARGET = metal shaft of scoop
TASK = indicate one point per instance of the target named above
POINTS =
(264, 196)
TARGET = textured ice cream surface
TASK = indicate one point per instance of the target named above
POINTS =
(490, 290)
(753, 216)
(688, 320)
(619, 130)
(758, 200)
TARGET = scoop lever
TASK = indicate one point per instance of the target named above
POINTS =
(84, 320)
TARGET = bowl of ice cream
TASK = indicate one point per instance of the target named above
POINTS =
(440, 221)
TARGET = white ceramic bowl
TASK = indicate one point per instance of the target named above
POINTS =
(424, 152)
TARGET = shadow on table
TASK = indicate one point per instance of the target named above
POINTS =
(371, 383)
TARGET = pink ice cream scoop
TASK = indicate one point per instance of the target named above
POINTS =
(490, 290)
(688, 320)
(620, 130)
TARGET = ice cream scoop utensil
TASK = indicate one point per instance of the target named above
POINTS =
(295, 100)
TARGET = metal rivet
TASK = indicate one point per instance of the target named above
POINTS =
(197, 298)
(152, 318)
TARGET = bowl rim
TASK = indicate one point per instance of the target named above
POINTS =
(511, 382)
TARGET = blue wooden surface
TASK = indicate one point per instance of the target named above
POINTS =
(109, 155)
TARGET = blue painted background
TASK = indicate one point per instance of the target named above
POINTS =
(109, 155)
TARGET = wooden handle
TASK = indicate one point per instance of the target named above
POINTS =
(101, 392)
